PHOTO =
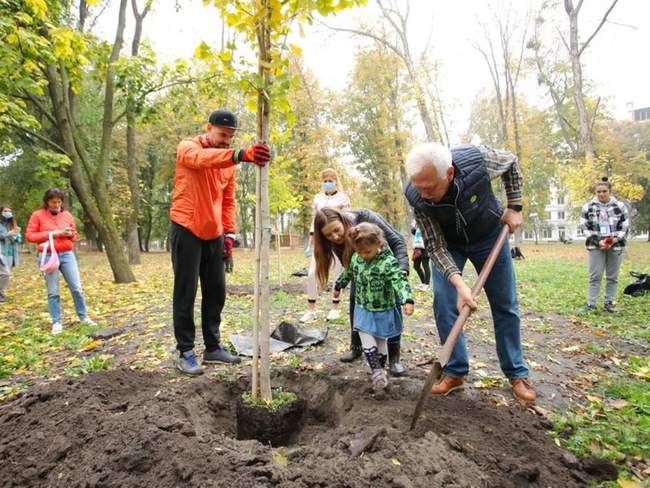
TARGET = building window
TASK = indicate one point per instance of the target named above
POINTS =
(549, 215)
(560, 200)
(546, 233)
(528, 234)
(560, 215)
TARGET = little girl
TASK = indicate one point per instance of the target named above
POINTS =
(381, 288)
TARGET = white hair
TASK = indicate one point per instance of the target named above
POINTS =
(428, 154)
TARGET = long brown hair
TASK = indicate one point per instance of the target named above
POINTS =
(11, 223)
(323, 248)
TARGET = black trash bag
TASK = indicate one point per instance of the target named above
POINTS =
(516, 253)
(294, 335)
(300, 273)
(640, 287)
(285, 336)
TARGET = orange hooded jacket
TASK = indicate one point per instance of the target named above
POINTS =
(204, 189)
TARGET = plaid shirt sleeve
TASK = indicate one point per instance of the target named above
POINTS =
(434, 240)
(506, 165)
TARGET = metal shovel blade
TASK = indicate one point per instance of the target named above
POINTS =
(434, 375)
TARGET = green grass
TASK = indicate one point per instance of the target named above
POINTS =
(615, 423)
(554, 279)
(87, 365)
(279, 398)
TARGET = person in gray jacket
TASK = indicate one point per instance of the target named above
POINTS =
(9, 240)
(330, 227)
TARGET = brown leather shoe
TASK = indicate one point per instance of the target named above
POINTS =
(448, 384)
(523, 390)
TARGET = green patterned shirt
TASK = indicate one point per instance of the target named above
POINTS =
(379, 284)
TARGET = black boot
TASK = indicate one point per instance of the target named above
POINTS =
(353, 354)
(355, 348)
(395, 368)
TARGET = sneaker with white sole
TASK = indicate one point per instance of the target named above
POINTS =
(308, 317)
(188, 364)
(423, 287)
(334, 314)
(57, 328)
(88, 321)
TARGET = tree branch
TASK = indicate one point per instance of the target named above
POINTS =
(603, 20)
(41, 138)
(370, 35)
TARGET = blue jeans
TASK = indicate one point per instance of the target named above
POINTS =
(501, 292)
(68, 267)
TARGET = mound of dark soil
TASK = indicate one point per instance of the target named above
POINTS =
(126, 428)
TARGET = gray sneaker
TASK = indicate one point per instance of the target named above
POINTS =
(609, 307)
(587, 309)
(220, 355)
(188, 364)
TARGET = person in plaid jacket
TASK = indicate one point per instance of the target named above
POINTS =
(381, 288)
(605, 222)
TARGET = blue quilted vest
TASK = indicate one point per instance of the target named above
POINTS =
(475, 212)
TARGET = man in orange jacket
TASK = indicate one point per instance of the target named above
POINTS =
(203, 225)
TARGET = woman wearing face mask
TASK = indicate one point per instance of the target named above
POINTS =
(330, 229)
(330, 196)
(53, 219)
(605, 222)
(9, 240)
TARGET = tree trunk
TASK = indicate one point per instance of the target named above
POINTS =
(578, 95)
(95, 203)
(261, 371)
(133, 241)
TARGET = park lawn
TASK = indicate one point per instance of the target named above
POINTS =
(612, 422)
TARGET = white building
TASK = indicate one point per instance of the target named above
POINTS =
(559, 221)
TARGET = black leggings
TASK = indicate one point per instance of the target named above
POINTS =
(355, 340)
(423, 268)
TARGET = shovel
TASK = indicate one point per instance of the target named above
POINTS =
(450, 343)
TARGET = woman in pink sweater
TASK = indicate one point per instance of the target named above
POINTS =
(53, 219)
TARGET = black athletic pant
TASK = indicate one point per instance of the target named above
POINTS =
(355, 340)
(194, 259)
(423, 268)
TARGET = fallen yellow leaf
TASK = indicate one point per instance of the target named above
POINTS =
(623, 483)
(395, 462)
(618, 404)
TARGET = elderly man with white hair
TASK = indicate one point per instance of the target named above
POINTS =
(460, 218)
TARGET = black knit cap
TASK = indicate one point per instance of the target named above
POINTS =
(223, 118)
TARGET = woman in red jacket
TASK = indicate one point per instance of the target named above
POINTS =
(53, 219)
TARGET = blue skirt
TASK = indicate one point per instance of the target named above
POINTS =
(384, 325)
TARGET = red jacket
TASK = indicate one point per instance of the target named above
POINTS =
(204, 189)
(42, 222)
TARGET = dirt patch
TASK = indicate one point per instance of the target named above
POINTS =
(290, 287)
(126, 428)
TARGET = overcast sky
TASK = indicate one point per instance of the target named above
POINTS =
(616, 61)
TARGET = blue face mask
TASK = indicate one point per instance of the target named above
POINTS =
(7, 215)
(329, 187)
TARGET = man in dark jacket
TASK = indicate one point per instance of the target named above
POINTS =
(461, 218)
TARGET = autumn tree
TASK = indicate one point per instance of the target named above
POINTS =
(373, 114)
(47, 54)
